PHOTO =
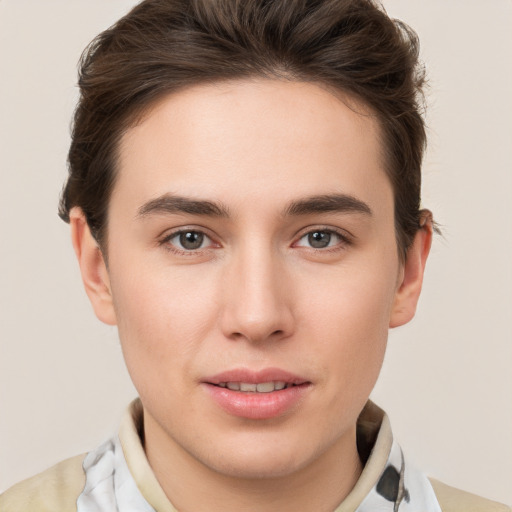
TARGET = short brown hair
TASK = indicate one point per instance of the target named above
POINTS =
(162, 46)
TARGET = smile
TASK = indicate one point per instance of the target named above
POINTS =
(260, 387)
(257, 395)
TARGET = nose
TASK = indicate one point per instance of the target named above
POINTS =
(257, 297)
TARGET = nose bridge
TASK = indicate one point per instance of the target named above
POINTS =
(257, 306)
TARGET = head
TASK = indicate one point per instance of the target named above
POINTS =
(244, 199)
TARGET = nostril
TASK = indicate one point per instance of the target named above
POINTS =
(255, 336)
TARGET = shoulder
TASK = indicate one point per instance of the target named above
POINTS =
(55, 489)
(455, 500)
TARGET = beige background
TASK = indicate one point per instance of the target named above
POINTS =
(447, 381)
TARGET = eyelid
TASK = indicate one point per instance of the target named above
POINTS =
(346, 237)
(167, 236)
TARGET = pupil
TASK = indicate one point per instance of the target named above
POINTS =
(191, 240)
(319, 239)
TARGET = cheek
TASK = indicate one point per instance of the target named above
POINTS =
(162, 318)
(350, 323)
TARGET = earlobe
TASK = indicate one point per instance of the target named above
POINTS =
(92, 267)
(409, 288)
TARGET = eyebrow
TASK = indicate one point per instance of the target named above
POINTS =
(335, 203)
(177, 204)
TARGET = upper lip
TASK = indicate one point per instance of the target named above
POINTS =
(255, 377)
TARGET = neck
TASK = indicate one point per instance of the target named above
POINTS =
(318, 486)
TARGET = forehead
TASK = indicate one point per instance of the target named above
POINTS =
(232, 141)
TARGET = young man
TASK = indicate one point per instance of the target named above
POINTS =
(244, 198)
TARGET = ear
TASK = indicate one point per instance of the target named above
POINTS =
(92, 267)
(411, 276)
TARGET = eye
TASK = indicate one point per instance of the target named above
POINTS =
(188, 240)
(321, 239)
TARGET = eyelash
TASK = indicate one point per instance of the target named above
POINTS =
(344, 240)
(166, 242)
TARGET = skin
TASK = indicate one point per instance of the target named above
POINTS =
(256, 294)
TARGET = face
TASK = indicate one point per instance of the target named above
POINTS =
(252, 272)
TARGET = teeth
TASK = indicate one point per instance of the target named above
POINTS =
(245, 386)
(262, 387)
(265, 387)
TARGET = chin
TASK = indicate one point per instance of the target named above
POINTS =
(256, 469)
(259, 460)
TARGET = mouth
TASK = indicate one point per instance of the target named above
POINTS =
(260, 387)
(267, 380)
(257, 395)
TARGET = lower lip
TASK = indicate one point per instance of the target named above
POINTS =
(257, 406)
